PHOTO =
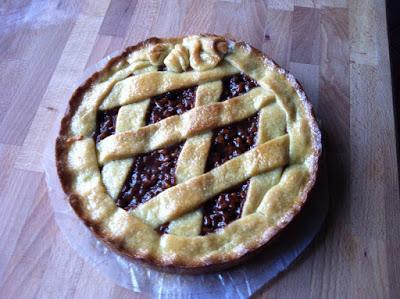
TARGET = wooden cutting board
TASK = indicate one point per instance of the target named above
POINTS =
(337, 48)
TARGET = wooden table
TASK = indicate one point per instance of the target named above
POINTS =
(337, 48)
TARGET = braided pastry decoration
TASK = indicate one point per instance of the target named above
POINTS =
(188, 152)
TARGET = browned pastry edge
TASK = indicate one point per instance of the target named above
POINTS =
(116, 244)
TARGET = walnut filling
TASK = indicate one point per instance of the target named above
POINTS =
(170, 103)
(231, 141)
(224, 208)
(105, 125)
(151, 173)
(236, 85)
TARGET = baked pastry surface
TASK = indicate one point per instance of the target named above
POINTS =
(188, 153)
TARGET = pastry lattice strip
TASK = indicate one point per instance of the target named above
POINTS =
(180, 127)
(192, 161)
(114, 173)
(174, 202)
(130, 117)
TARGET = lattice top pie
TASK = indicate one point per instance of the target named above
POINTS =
(188, 153)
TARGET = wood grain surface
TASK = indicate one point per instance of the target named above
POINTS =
(336, 48)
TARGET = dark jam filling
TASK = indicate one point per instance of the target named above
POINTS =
(231, 141)
(105, 124)
(151, 173)
(170, 103)
(223, 208)
(236, 85)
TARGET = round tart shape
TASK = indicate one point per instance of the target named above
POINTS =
(188, 153)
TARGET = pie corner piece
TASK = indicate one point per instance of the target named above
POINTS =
(179, 147)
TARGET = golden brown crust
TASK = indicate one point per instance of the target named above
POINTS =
(212, 263)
